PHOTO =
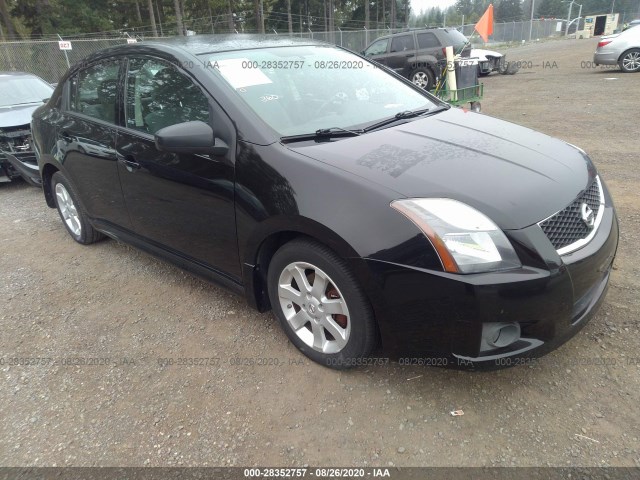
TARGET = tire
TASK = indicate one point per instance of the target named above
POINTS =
(422, 77)
(629, 61)
(336, 340)
(71, 212)
(476, 107)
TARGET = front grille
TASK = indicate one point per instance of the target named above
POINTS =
(17, 131)
(567, 226)
(15, 139)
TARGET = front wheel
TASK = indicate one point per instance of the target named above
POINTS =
(630, 61)
(320, 305)
(423, 78)
(73, 216)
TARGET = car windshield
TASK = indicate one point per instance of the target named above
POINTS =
(297, 90)
(16, 90)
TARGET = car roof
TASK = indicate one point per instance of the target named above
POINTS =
(418, 30)
(197, 45)
(202, 44)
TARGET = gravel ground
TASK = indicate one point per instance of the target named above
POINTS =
(108, 301)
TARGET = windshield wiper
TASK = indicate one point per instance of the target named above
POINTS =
(333, 130)
(403, 116)
(322, 134)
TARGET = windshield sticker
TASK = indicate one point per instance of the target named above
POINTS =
(235, 72)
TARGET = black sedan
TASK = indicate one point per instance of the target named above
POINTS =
(362, 210)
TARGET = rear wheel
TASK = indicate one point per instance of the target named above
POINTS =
(73, 216)
(320, 305)
(630, 61)
(423, 78)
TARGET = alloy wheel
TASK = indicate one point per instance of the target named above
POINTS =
(68, 209)
(420, 79)
(314, 307)
(631, 61)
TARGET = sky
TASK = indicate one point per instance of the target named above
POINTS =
(424, 5)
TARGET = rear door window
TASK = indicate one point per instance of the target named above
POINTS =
(403, 43)
(427, 40)
(94, 91)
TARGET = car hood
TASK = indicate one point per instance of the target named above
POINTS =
(15, 115)
(512, 174)
(482, 54)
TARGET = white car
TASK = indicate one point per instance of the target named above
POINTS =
(491, 61)
(488, 61)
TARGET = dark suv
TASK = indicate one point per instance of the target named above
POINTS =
(418, 55)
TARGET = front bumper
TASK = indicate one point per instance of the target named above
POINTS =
(605, 58)
(436, 318)
(25, 164)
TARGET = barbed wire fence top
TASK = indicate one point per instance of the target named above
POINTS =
(45, 58)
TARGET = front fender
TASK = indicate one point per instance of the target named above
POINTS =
(281, 193)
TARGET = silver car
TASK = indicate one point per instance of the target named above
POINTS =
(622, 49)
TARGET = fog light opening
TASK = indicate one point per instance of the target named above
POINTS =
(499, 335)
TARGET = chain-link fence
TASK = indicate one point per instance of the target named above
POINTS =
(519, 31)
(45, 59)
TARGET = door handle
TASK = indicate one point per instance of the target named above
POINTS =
(409, 55)
(129, 162)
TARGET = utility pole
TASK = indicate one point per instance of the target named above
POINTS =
(579, 17)
(533, 7)
(566, 30)
(366, 16)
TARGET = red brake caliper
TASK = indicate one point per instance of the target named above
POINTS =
(340, 319)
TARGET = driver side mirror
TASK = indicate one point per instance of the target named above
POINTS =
(189, 137)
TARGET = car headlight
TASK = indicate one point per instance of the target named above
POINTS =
(466, 240)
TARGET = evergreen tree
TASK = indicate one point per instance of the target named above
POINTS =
(552, 8)
(508, 11)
